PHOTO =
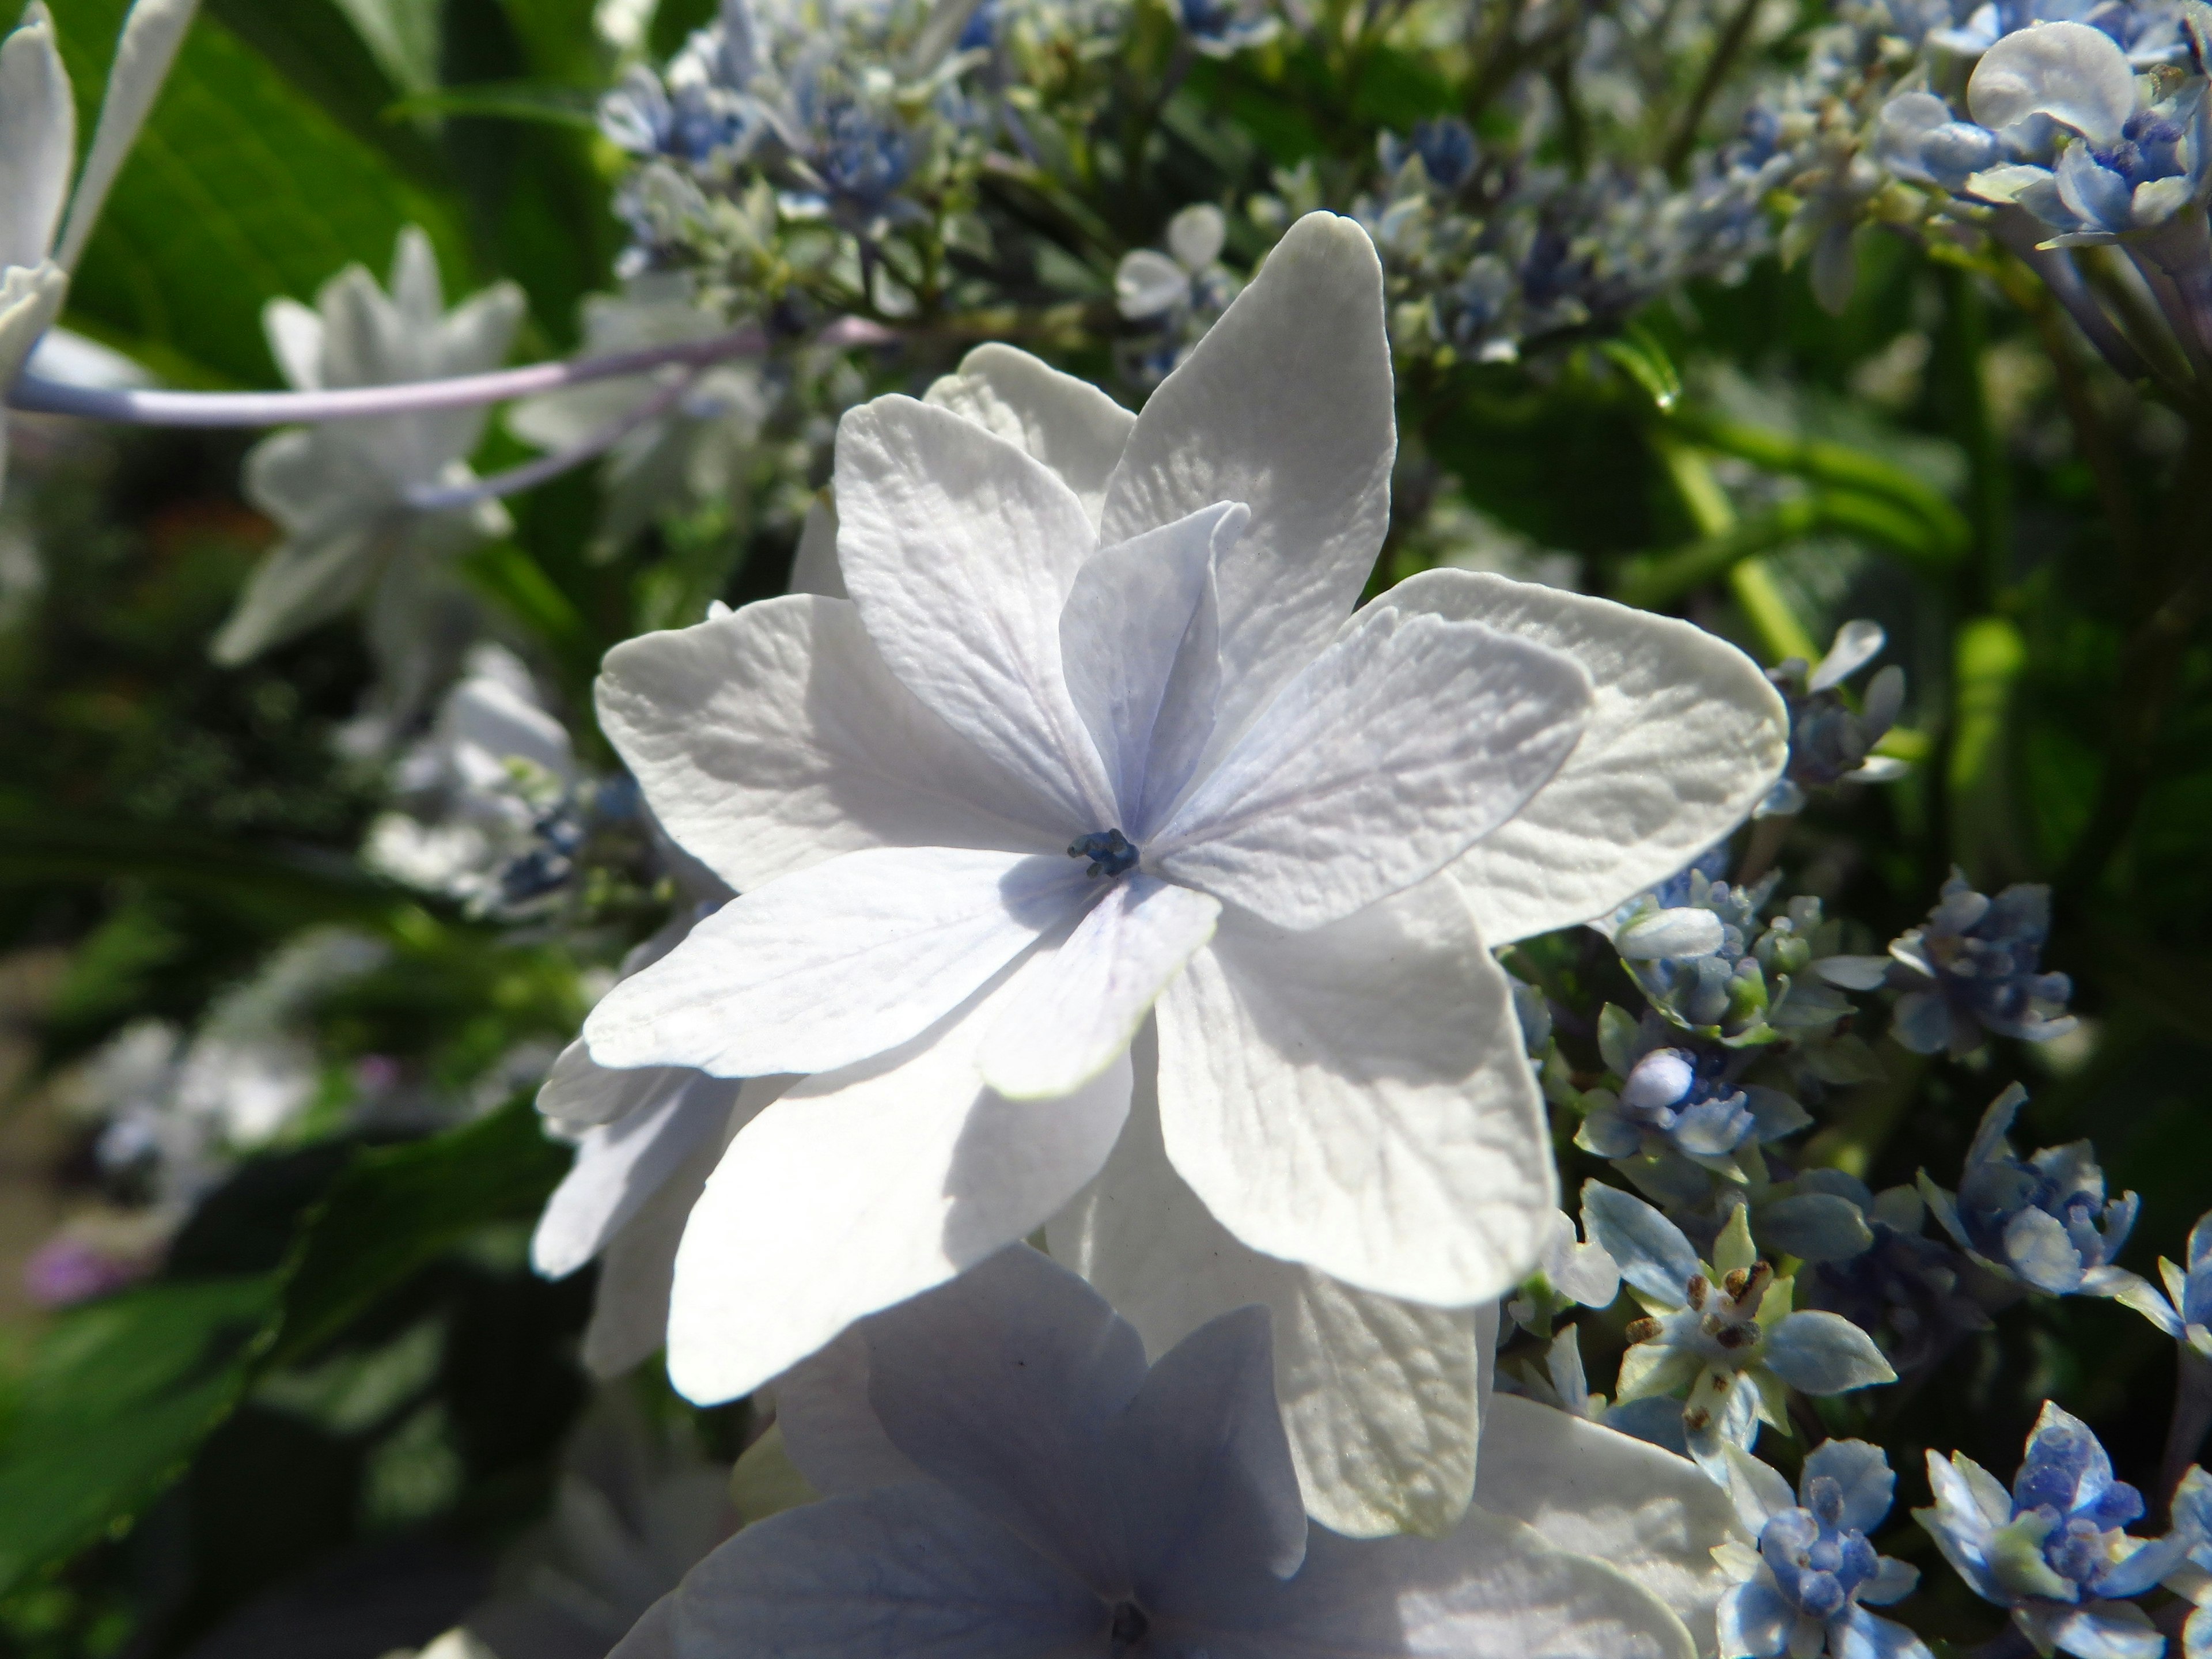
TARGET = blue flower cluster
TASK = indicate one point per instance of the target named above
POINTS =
(2054, 1551)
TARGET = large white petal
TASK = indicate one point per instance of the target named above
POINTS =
(775, 738)
(620, 1165)
(29, 301)
(1493, 1586)
(908, 1572)
(1404, 742)
(960, 552)
(1381, 1398)
(1069, 424)
(862, 1187)
(1078, 1012)
(1684, 735)
(630, 1300)
(1355, 1097)
(37, 141)
(828, 966)
(1633, 1505)
(1139, 647)
(1285, 405)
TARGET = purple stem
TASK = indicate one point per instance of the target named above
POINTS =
(444, 498)
(35, 395)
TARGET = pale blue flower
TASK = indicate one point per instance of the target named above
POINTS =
(1724, 1334)
(1445, 147)
(1902, 1288)
(1221, 28)
(2055, 1551)
(1679, 1094)
(1015, 1480)
(2184, 1312)
(2128, 160)
(2149, 33)
(1805, 1589)
(2043, 1219)
(1974, 969)
(1831, 743)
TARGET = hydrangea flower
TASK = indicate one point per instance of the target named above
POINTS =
(2184, 1312)
(1067, 622)
(502, 811)
(2054, 1551)
(44, 224)
(2127, 162)
(1445, 149)
(2043, 1219)
(2150, 32)
(1726, 1333)
(1973, 970)
(1829, 743)
(1015, 1479)
(1177, 295)
(1222, 28)
(1805, 1589)
(2192, 1514)
(1905, 1289)
(1679, 1096)
(341, 490)
(690, 453)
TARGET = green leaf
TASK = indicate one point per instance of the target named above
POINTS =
(1645, 361)
(120, 1395)
(509, 101)
(242, 189)
(397, 1209)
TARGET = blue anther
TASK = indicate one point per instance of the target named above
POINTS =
(1109, 851)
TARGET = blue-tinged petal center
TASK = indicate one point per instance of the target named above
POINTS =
(1109, 851)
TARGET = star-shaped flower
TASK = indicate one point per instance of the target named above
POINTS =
(1296, 832)
(341, 490)
(1008, 1476)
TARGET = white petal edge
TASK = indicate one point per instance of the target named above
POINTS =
(1069, 424)
(960, 550)
(1355, 1097)
(1382, 1399)
(1404, 742)
(152, 34)
(1641, 1509)
(1285, 406)
(826, 967)
(1078, 1009)
(1685, 737)
(862, 1187)
(775, 738)
(37, 142)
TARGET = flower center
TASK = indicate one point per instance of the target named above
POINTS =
(1109, 851)
(1130, 1625)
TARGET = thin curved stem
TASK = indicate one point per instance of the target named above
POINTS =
(35, 395)
(444, 498)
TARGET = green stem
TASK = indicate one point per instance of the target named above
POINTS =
(1990, 508)
(1654, 580)
(1733, 35)
(1990, 658)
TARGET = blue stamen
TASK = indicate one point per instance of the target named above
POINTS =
(1109, 851)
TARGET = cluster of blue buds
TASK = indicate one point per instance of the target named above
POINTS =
(2054, 1551)
(1830, 742)
(1677, 1093)
(1221, 28)
(2043, 1220)
(1974, 970)
(1912, 1293)
(1804, 1591)
(1488, 250)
